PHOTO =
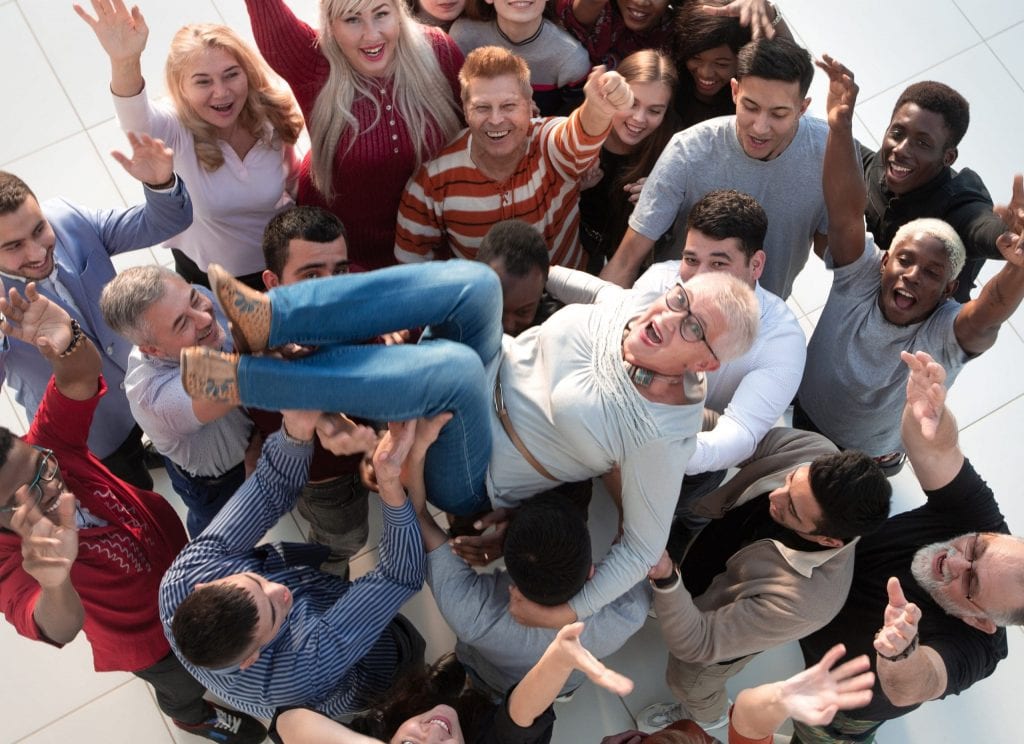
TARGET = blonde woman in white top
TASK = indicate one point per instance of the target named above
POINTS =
(232, 132)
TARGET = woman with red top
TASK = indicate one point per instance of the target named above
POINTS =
(379, 94)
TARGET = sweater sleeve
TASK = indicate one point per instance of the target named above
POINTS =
(138, 114)
(569, 147)
(287, 43)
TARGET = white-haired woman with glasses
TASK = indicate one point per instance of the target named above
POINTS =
(379, 93)
(593, 388)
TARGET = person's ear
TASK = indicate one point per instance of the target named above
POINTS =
(149, 349)
(984, 624)
(804, 105)
(249, 660)
(591, 572)
(270, 279)
(757, 264)
(828, 542)
(951, 288)
(949, 156)
(735, 85)
(885, 260)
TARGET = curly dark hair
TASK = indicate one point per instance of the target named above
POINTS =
(944, 101)
(853, 493)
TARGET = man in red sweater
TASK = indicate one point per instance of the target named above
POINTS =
(81, 549)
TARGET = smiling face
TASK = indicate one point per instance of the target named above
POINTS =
(992, 579)
(369, 38)
(915, 279)
(216, 88)
(629, 129)
(767, 115)
(640, 16)
(702, 254)
(26, 242)
(439, 725)
(711, 71)
(22, 465)
(520, 297)
(521, 16)
(915, 148)
(655, 341)
(498, 115)
(273, 603)
(183, 317)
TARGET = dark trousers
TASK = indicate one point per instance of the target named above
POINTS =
(204, 496)
(189, 270)
(128, 462)
(178, 693)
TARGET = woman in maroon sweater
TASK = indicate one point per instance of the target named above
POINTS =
(379, 93)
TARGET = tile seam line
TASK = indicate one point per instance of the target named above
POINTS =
(74, 710)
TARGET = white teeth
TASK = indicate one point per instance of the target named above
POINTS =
(498, 135)
(902, 170)
(374, 52)
(634, 129)
(442, 724)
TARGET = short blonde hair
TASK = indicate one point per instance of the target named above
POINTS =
(490, 62)
(943, 232)
(739, 314)
(265, 101)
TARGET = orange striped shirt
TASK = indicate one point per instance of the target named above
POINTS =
(449, 205)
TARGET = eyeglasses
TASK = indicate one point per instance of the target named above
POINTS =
(969, 579)
(45, 473)
(690, 328)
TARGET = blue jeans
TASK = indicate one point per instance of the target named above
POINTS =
(204, 496)
(460, 304)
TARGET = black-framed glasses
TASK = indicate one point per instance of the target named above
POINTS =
(45, 473)
(690, 327)
(968, 578)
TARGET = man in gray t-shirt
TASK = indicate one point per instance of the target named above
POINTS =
(883, 303)
(768, 150)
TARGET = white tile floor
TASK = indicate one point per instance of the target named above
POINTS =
(56, 131)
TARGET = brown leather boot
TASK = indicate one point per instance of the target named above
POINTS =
(247, 309)
(211, 375)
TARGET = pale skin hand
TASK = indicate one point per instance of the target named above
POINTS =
(591, 177)
(121, 33)
(926, 393)
(663, 568)
(35, 320)
(532, 615)
(634, 189)
(342, 436)
(48, 549)
(753, 14)
(817, 693)
(300, 425)
(389, 457)
(607, 93)
(152, 162)
(842, 92)
(900, 621)
(567, 647)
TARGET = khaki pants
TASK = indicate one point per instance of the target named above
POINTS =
(701, 687)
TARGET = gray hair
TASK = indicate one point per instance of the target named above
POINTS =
(127, 297)
(738, 310)
(942, 232)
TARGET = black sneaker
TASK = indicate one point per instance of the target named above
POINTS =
(227, 726)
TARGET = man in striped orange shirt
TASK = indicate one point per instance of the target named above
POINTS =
(506, 165)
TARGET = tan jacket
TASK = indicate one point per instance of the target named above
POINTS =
(768, 594)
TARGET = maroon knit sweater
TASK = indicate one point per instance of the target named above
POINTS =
(368, 179)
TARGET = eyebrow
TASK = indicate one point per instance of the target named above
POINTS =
(207, 74)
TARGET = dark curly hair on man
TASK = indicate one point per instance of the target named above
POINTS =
(215, 625)
(853, 493)
(942, 100)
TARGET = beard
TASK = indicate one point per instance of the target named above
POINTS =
(921, 568)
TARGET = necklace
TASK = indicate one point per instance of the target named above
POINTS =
(642, 376)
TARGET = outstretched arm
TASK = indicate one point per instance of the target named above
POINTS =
(122, 34)
(908, 672)
(928, 428)
(978, 323)
(842, 174)
(607, 93)
(812, 696)
(32, 318)
(624, 265)
(542, 684)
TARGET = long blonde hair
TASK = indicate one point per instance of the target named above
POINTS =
(422, 94)
(264, 103)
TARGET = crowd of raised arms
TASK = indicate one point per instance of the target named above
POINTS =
(533, 249)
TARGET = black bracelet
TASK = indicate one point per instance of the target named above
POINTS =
(911, 648)
(165, 185)
(76, 337)
(666, 583)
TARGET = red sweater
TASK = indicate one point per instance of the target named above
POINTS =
(118, 570)
(369, 178)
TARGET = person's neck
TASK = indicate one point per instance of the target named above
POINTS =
(616, 146)
(499, 170)
(517, 32)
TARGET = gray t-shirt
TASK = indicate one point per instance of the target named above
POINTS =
(856, 397)
(708, 156)
(496, 647)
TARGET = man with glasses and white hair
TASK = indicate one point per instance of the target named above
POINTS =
(932, 588)
(80, 549)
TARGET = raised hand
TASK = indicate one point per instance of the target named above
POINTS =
(926, 393)
(608, 91)
(341, 435)
(152, 162)
(1011, 242)
(392, 450)
(900, 622)
(121, 33)
(567, 646)
(842, 92)
(35, 320)
(753, 14)
(817, 693)
(48, 548)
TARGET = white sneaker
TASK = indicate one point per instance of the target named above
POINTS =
(655, 717)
